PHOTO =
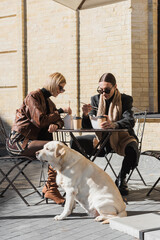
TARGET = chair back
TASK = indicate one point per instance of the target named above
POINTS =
(61, 137)
(140, 120)
(3, 134)
(58, 136)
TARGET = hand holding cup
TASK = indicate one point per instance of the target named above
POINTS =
(107, 124)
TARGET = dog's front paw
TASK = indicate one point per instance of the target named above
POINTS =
(58, 218)
(99, 219)
(102, 219)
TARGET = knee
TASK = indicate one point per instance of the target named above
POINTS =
(129, 151)
(73, 145)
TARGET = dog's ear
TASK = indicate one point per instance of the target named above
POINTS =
(59, 150)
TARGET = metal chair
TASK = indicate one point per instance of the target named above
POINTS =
(42, 178)
(109, 163)
(62, 137)
(19, 164)
(140, 119)
(155, 154)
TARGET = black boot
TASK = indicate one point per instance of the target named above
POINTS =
(122, 184)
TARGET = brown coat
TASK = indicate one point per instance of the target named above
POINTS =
(32, 116)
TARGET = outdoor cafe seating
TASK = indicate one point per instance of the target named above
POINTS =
(16, 168)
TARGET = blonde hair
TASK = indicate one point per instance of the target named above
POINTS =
(55, 79)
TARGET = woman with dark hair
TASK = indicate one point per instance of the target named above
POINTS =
(35, 121)
(117, 108)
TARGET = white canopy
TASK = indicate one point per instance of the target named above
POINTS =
(85, 4)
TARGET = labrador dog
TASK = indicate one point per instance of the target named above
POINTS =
(84, 182)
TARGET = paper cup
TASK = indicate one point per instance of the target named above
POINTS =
(100, 120)
(77, 123)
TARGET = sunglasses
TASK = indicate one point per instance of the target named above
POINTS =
(106, 90)
(61, 89)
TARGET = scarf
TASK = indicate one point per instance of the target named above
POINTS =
(118, 140)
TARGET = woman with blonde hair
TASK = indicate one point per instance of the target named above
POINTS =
(35, 121)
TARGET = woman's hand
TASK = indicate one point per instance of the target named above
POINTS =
(107, 124)
(52, 128)
(67, 110)
(86, 109)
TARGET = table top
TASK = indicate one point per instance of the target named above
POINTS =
(92, 130)
(156, 115)
(148, 115)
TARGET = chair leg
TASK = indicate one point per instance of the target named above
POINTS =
(11, 181)
(138, 174)
(11, 169)
(153, 187)
(11, 184)
(141, 177)
(42, 175)
(108, 163)
(29, 181)
(7, 174)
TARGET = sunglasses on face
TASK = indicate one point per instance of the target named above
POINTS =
(106, 90)
(61, 89)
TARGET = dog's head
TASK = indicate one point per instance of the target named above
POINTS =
(53, 152)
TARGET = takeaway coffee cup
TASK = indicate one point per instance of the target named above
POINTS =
(77, 122)
(100, 120)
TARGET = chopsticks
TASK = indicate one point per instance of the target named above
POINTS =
(95, 108)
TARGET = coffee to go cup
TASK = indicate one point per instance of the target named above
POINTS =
(77, 122)
(100, 120)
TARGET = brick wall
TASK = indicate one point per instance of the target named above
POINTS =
(52, 46)
(151, 136)
(105, 47)
(152, 58)
(140, 83)
(10, 59)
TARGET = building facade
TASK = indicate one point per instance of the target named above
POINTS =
(40, 37)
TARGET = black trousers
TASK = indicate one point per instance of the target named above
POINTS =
(130, 160)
